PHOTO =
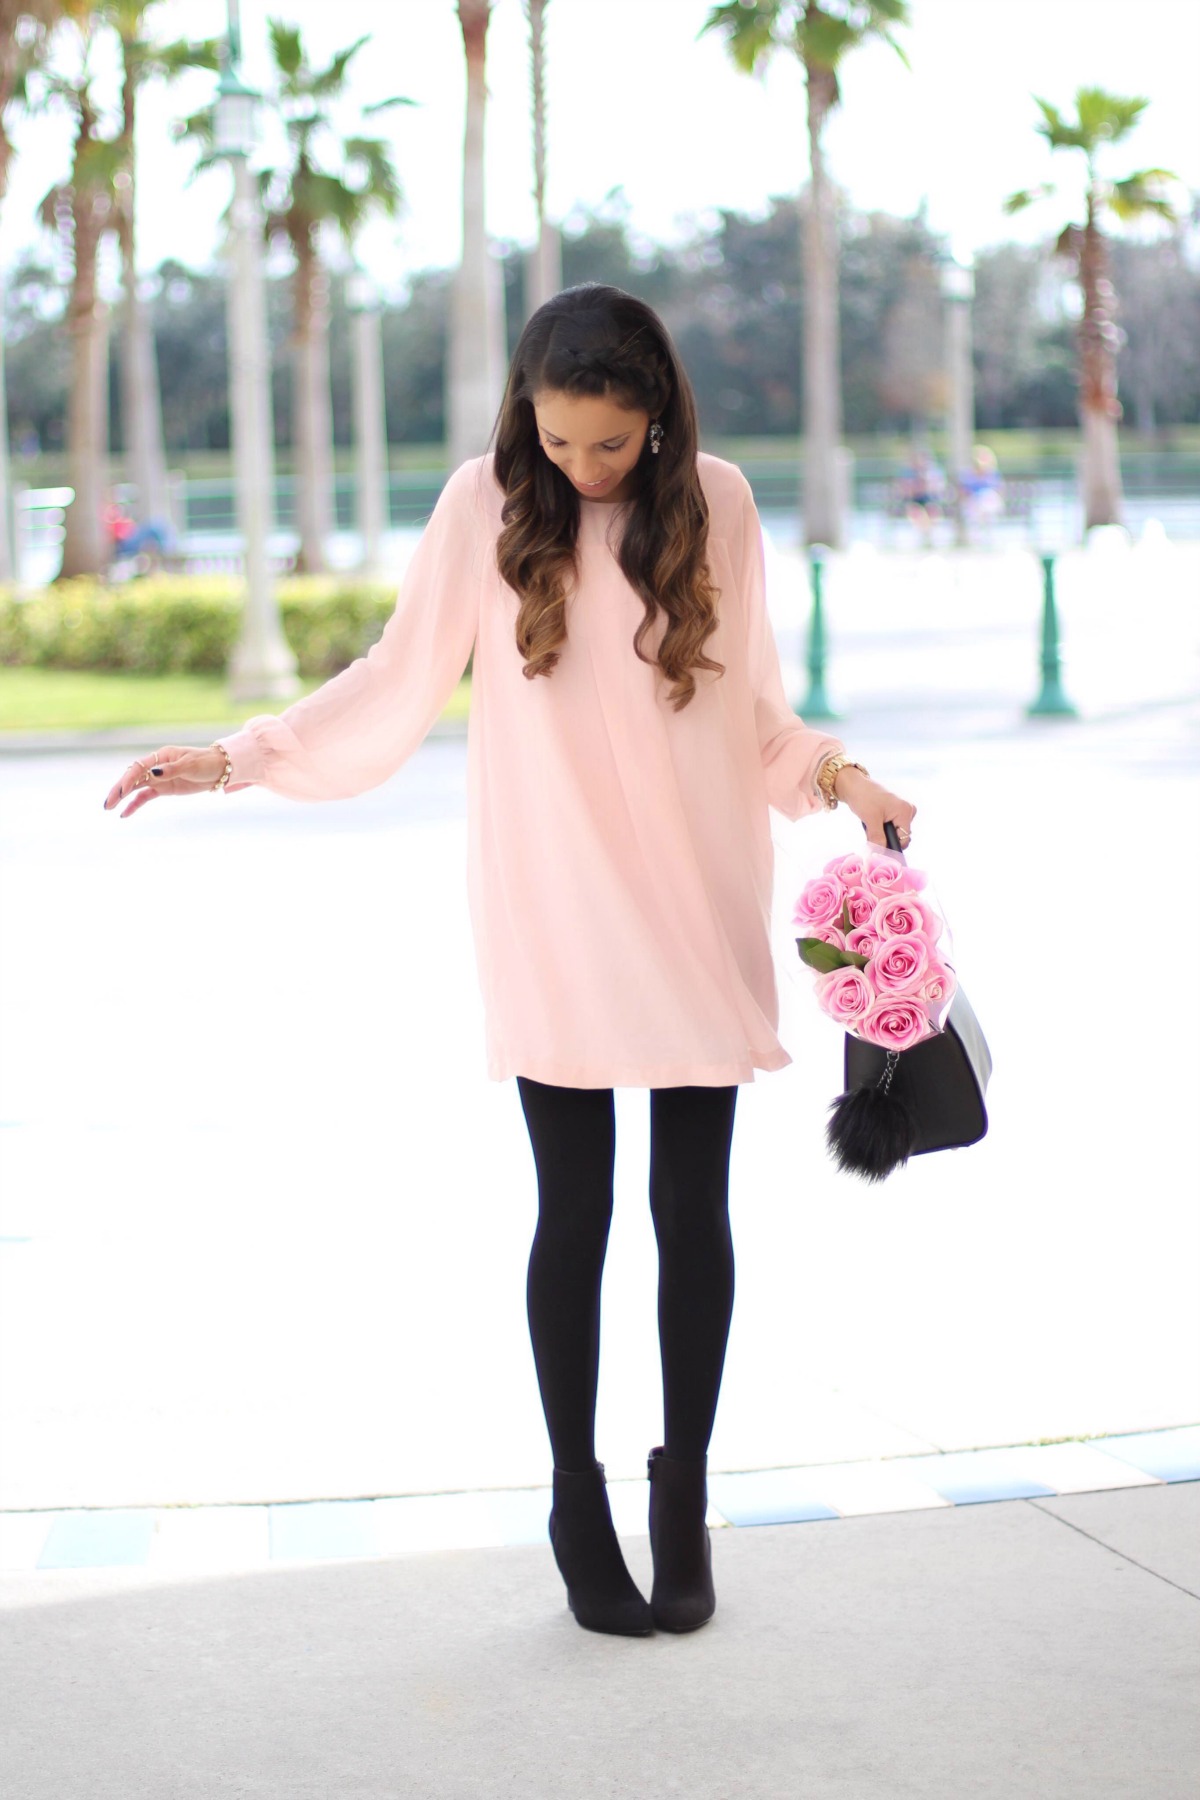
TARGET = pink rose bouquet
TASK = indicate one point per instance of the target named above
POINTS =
(872, 937)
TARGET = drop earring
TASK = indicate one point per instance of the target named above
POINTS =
(656, 432)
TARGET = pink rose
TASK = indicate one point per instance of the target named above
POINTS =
(894, 1022)
(936, 989)
(900, 962)
(820, 901)
(937, 983)
(848, 869)
(900, 915)
(845, 994)
(861, 905)
(863, 941)
(884, 875)
(829, 934)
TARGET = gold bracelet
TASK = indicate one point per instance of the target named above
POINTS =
(827, 775)
(224, 779)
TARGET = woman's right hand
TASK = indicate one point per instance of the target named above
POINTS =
(184, 771)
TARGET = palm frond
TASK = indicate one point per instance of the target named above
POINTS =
(751, 32)
(378, 106)
(332, 79)
(170, 60)
(898, 48)
(382, 184)
(286, 48)
(1138, 195)
(200, 127)
(1024, 197)
(821, 39)
(1107, 117)
(1057, 131)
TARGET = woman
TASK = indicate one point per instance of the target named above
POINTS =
(628, 732)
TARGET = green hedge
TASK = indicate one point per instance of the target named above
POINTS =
(170, 624)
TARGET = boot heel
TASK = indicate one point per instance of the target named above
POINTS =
(601, 1592)
(683, 1596)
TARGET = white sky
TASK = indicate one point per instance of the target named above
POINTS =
(635, 101)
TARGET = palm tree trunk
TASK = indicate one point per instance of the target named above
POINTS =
(544, 268)
(822, 353)
(1099, 408)
(141, 401)
(141, 407)
(313, 414)
(84, 549)
(8, 548)
(475, 364)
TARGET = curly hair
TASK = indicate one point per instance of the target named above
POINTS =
(596, 340)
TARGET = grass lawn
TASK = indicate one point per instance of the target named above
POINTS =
(80, 700)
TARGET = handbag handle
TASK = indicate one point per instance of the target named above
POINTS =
(891, 835)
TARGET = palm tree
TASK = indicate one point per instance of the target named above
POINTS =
(300, 200)
(475, 364)
(24, 31)
(141, 408)
(820, 33)
(545, 265)
(81, 210)
(1102, 118)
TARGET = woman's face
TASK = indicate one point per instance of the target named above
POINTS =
(594, 441)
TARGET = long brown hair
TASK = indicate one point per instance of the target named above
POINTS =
(596, 340)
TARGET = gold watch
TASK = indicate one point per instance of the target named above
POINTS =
(827, 775)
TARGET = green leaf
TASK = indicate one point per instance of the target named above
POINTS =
(847, 923)
(825, 958)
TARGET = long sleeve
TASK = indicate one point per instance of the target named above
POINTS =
(356, 730)
(791, 751)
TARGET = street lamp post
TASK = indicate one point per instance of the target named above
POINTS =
(958, 291)
(262, 665)
(370, 429)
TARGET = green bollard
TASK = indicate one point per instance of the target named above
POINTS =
(816, 705)
(1052, 702)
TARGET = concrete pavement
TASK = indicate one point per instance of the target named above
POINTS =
(1045, 1647)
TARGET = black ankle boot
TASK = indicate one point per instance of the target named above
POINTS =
(600, 1590)
(683, 1596)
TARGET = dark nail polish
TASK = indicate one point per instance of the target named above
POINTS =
(156, 771)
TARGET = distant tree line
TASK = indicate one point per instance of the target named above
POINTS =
(734, 301)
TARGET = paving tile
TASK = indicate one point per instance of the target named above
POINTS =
(321, 1528)
(1082, 1468)
(967, 1477)
(478, 1520)
(767, 1497)
(84, 1540)
(1170, 1455)
(210, 1538)
(22, 1536)
(871, 1487)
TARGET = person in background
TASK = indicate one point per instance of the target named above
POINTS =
(922, 489)
(130, 542)
(982, 490)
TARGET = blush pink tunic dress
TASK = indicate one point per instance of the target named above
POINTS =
(619, 855)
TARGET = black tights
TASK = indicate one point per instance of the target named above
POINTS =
(573, 1134)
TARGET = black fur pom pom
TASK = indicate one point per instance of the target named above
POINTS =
(871, 1132)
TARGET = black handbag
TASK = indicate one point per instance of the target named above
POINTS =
(902, 1103)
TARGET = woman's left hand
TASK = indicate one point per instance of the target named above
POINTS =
(874, 804)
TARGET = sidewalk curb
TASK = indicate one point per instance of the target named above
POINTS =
(258, 1534)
